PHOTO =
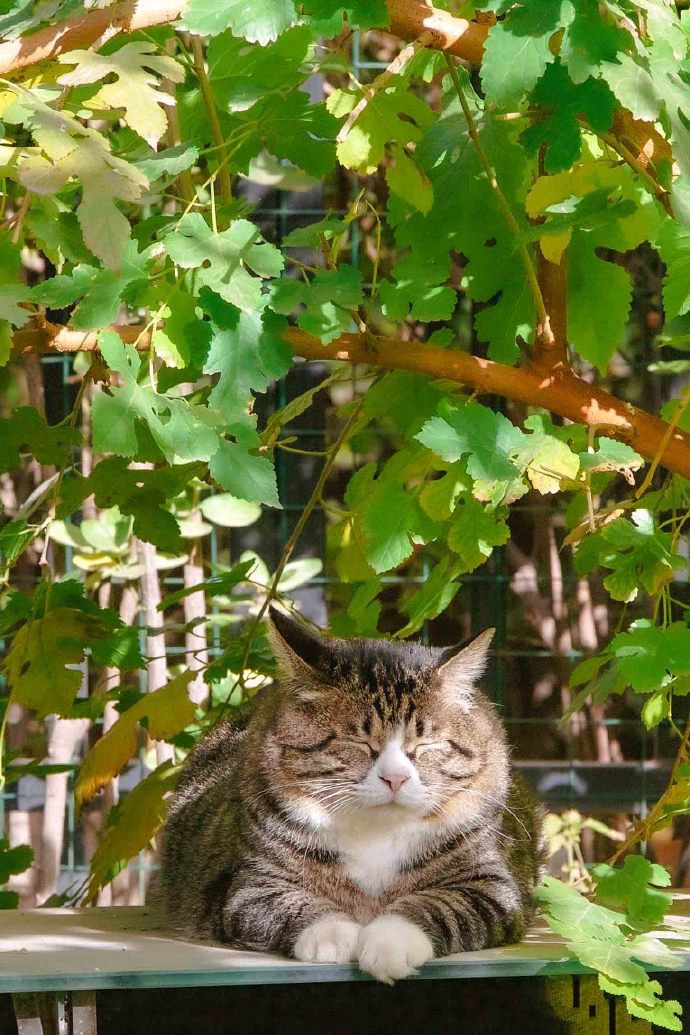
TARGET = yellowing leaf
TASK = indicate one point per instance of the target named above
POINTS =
(73, 152)
(553, 246)
(167, 710)
(36, 663)
(132, 825)
(134, 89)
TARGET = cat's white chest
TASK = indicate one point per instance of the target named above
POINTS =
(373, 850)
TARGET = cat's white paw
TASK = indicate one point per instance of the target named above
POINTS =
(391, 947)
(331, 940)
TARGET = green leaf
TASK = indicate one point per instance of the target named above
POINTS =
(388, 523)
(101, 291)
(517, 51)
(599, 297)
(215, 585)
(563, 102)
(260, 21)
(673, 242)
(223, 260)
(290, 128)
(489, 441)
(240, 75)
(475, 530)
(326, 16)
(28, 430)
(641, 1000)
(248, 352)
(132, 825)
(170, 162)
(432, 599)
(244, 474)
(327, 300)
(571, 915)
(181, 430)
(140, 494)
(392, 114)
(637, 553)
(407, 180)
(648, 656)
(634, 887)
(14, 860)
(228, 511)
(493, 273)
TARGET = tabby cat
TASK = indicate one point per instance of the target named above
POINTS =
(368, 812)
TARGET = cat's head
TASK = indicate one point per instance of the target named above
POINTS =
(373, 724)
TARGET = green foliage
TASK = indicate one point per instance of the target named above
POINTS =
(616, 944)
(117, 202)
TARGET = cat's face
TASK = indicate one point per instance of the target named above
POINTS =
(370, 725)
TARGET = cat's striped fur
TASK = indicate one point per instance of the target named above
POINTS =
(367, 812)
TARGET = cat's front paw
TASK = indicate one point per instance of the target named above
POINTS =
(331, 940)
(391, 947)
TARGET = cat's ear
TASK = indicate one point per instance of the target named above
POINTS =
(299, 650)
(460, 668)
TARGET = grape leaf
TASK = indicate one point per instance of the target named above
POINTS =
(637, 553)
(489, 441)
(27, 429)
(432, 599)
(599, 297)
(181, 430)
(139, 494)
(635, 887)
(36, 665)
(245, 474)
(491, 274)
(247, 352)
(260, 21)
(517, 50)
(240, 75)
(101, 291)
(132, 824)
(327, 299)
(673, 242)
(392, 114)
(326, 16)
(648, 656)
(135, 86)
(74, 152)
(475, 530)
(294, 129)
(563, 102)
(222, 260)
(166, 711)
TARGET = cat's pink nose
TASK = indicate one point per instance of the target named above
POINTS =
(395, 780)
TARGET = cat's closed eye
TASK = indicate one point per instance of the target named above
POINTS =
(364, 746)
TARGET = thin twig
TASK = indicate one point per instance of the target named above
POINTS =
(289, 547)
(530, 271)
(214, 121)
(672, 425)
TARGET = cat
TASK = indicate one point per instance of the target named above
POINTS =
(367, 813)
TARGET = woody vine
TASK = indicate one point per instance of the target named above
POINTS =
(528, 149)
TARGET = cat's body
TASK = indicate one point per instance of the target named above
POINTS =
(368, 812)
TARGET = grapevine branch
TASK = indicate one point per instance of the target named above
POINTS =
(559, 390)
